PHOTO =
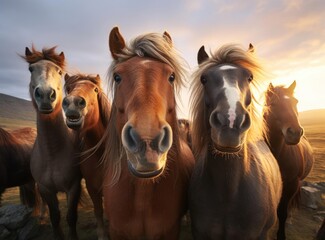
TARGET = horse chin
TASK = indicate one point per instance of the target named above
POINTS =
(227, 149)
(74, 123)
(292, 141)
(45, 110)
(145, 174)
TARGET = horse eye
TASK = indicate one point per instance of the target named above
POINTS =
(60, 71)
(172, 77)
(96, 90)
(203, 80)
(117, 78)
(67, 89)
(250, 78)
(30, 69)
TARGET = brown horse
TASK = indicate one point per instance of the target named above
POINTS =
(87, 111)
(185, 130)
(289, 146)
(15, 152)
(236, 184)
(148, 165)
(54, 164)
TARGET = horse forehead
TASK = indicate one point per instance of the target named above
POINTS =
(143, 64)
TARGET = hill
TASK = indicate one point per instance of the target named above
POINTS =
(16, 112)
(312, 117)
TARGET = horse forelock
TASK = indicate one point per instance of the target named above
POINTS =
(227, 54)
(72, 81)
(46, 54)
(154, 46)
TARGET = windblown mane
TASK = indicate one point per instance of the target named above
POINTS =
(153, 46)
(232, 54)
(104, 105)
(46, 54)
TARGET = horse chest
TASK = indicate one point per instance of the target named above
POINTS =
(223, 205)
(142, 210)
(55, 171)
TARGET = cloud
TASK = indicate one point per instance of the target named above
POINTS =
(288, 35)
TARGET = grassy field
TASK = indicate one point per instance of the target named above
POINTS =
(302, 225)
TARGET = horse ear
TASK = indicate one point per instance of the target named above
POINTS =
(116, 42)
(251, 48)
(271, 87)
(202, 55)
(28, 52)
(292, 87)
(62, 57)
(168, 38)
(66, 77)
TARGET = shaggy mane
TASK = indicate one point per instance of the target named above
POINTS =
(46, 54)
(231, 54)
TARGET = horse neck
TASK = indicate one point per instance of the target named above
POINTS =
(274, 138)
(92, 135)
(227, 171)
(52, 130)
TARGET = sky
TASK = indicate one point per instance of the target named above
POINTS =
(289, 36)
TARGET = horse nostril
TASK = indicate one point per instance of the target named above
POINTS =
(165, 139)
(82, 102)
(301, 132)
(217, 119)
(65, 103)
(52, 95)
(130, 138)
(38, 94)
(290, 131)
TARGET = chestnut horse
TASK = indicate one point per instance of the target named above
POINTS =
(87, 111)
(15, 152)
(54, 164)
(289, 146)
(236, 184)
(148, 165)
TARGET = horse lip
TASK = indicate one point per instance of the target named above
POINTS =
(151, 174)
(73, 122)
(46, 110)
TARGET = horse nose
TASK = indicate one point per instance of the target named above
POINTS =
(295, 132)
(42, 94)
(80, 102)
(135, 144)
(231, 120)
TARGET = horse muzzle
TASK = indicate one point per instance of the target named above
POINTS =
(146, 157)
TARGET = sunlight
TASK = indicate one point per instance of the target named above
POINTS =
(310, 86)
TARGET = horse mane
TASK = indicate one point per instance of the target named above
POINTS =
(232, 54)
(155, 46)
(104, 105)
(151, 45)
(46, 54)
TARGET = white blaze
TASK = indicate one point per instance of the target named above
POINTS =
(233, 96)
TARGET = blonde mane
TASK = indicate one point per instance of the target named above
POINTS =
(154, 46)
(231, 54)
